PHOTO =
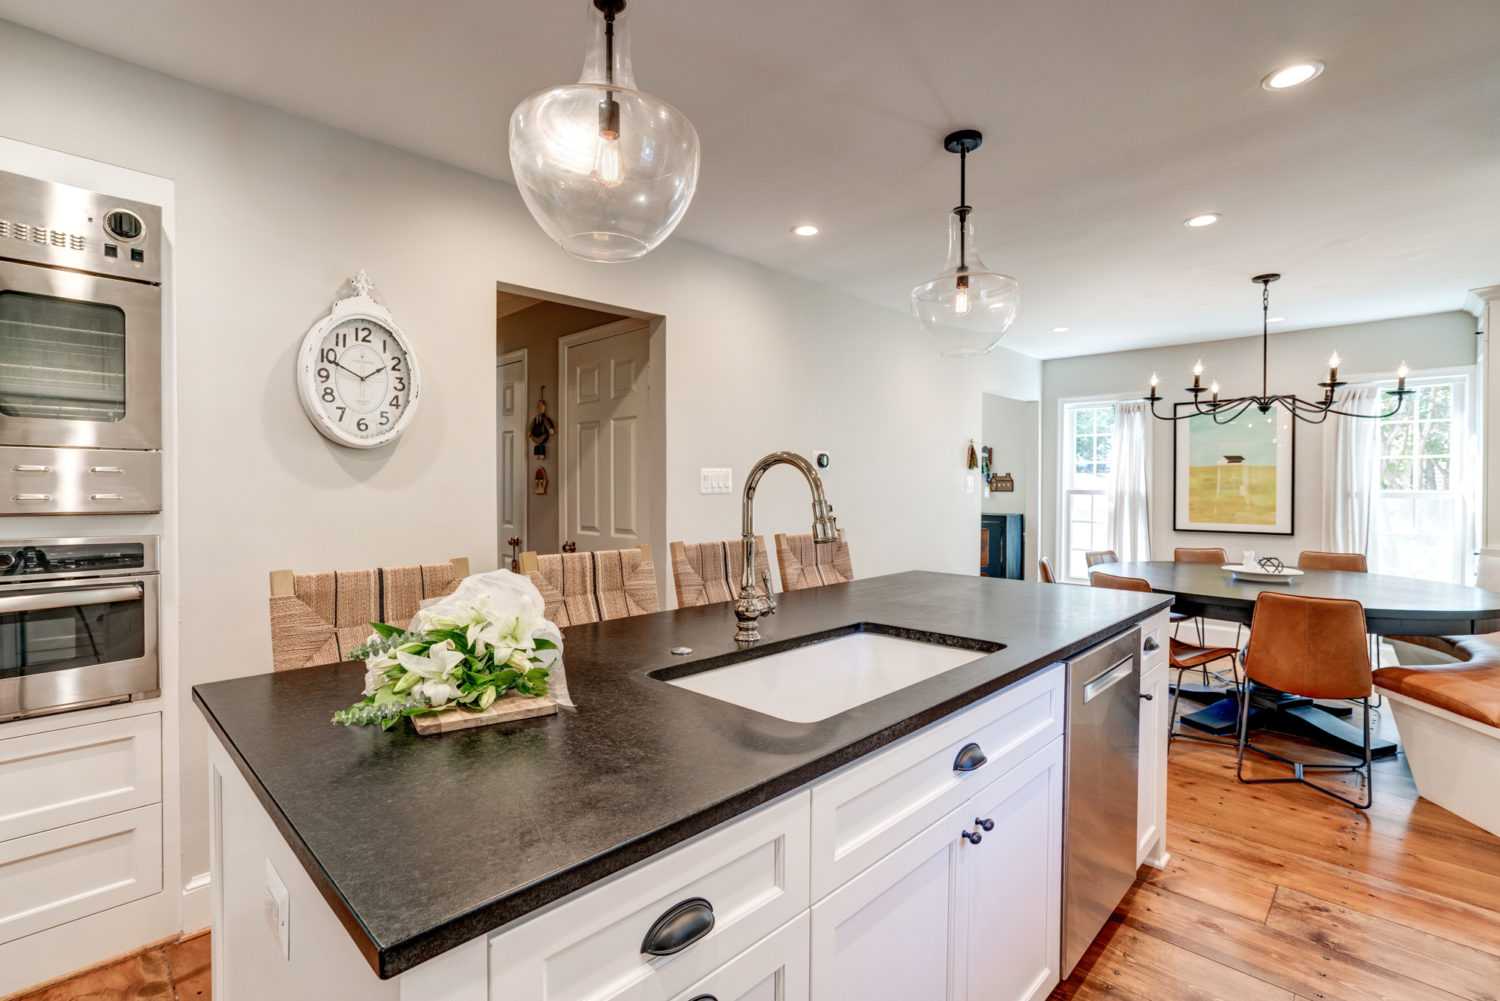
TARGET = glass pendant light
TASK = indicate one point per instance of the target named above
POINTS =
(606, 170)
(967, 309)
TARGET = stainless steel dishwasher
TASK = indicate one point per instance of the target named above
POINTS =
(1102, 776)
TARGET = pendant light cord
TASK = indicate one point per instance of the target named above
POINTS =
(1265, 336)
(963, 209)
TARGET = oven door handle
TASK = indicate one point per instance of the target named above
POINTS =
(37, 601)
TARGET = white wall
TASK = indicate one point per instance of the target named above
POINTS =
(1298, 361)
(274, 212)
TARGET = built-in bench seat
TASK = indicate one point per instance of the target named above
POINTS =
(1447, 708)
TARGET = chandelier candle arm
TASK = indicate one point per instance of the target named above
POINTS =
(1225, 411)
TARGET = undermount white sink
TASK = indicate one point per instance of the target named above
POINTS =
(813, 682)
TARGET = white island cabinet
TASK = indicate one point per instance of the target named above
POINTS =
(915, 872)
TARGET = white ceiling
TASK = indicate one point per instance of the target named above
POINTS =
(1375, 189)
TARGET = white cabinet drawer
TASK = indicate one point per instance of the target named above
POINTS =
(1155, 637)
(863, 812)
(67, 873)
(77, 773)
(775, 969)
(752, 871)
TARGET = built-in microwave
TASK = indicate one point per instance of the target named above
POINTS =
(78, 624)
(80, 350)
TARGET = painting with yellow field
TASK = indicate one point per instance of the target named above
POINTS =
(1235, 476)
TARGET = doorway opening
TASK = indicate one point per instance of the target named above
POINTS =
(1010, 491)
(580, 424)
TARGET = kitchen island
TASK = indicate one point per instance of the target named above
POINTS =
(529, 859)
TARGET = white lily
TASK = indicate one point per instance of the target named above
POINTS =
(440, 664)
(375, 671)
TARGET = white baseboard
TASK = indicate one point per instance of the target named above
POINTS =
(196, 903)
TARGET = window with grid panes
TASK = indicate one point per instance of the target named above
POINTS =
(1087, 475)
(1421, 521)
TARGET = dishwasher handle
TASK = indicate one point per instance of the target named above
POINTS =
(1108, 679)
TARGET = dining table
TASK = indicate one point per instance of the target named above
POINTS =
(1394, 606)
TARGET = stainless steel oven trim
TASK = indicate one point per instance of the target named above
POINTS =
(149, 558)
(52, 691)
(141, 426)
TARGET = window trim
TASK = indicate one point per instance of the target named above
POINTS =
(1061, 461)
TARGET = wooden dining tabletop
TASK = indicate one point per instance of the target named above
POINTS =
(1394, 606)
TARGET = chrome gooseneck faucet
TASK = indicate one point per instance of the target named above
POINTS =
(750, 606)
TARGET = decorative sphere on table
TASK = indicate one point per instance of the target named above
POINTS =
(1271, 564)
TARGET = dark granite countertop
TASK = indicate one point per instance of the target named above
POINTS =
(639, 766)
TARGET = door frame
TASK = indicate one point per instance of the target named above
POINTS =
(588, 336)
(508, 358)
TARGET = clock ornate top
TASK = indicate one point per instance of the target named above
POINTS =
(356, 373)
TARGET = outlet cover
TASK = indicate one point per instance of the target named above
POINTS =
(715, 480)
(277, 904)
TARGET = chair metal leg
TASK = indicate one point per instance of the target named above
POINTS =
(1173, 731)
(1299, 767)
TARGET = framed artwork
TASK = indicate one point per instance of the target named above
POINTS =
(1234, 477)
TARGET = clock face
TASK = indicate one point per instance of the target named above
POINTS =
(358, 381)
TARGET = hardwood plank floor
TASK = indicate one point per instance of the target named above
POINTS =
(1274, 891)
(177, 971)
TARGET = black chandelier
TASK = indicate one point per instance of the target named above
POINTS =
(1226, 410)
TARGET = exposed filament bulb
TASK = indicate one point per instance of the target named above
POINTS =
(961, 296)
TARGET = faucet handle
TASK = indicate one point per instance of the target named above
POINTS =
(765, 578)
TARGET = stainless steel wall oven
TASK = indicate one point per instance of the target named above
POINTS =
(80, 350)
(78, 623)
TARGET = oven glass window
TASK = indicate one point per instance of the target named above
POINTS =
(77, 635)
(61, 359)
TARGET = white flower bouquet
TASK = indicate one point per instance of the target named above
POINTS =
(466, 650)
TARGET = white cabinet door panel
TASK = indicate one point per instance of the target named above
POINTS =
(774, 969)
(1151, 804)
(1012, 882)
(864, 811)
(889, 932)
(61, 777)
(753, 871)
(69, 872)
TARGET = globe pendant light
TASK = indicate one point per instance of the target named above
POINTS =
(606, 170)
(967, 309)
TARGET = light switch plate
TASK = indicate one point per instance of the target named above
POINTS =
(715, 480)
(969, 483)
(277, 905)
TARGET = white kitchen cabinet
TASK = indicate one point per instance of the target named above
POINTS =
(1151, 803)
(945, 917)
(774, 969)
(1011, 884)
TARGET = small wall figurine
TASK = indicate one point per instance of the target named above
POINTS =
(986, 460)
(541, 429)
(514, 542)
(973, 455)
(539, 481)
(1002, 484)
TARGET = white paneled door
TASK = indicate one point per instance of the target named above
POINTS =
(605, 489)
(511, 450)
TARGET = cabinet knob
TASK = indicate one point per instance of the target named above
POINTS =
(986, 823)
(682, 925)
(1151, 643)
(973, 837)
(1146, 696)
(705, 997)
(969, 758)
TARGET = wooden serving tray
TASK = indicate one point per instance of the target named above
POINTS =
(509, 706)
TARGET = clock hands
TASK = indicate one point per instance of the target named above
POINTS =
(356, 375)
(376, 372)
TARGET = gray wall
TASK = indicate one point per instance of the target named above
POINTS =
(1298, 361)
(1012, 428)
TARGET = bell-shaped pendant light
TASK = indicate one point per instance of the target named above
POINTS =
(606, 170)
(967, 309)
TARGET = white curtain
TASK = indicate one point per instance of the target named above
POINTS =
(1351, 467)
(1131, 515)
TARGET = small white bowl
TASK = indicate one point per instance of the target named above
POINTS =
(1260, 575)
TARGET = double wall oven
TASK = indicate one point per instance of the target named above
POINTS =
(80, 351)
(78, 623)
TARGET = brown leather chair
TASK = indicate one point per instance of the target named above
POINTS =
(1099, 557)
(1313, 647)
(1044, 571)
(1181, 657)
(1216, 556)
(1352, 562)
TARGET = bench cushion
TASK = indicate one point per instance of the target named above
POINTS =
(1469, 686)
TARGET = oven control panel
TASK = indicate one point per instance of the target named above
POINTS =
(48, 559)
(46, 223)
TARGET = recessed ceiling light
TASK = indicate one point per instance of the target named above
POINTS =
(1201, 220)
(806, 229)
(1291, 76)
(1276, 319)
(1061, 330)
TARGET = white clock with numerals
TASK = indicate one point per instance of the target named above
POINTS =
(356, 372)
